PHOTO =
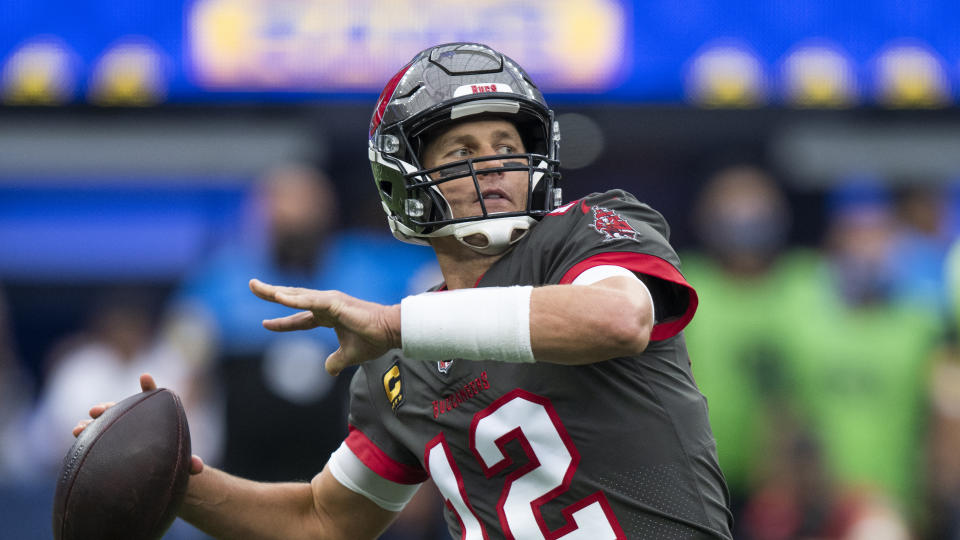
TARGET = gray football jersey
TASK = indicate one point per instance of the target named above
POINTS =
(615, 449)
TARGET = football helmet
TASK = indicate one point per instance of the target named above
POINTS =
(445, 84)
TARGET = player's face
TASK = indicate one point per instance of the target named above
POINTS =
(502, 191)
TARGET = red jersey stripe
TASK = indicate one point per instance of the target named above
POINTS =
(379, 462)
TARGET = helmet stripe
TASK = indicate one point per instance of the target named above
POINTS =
(385, 98)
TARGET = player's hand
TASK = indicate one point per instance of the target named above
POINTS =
(366, 330)
(146, 384)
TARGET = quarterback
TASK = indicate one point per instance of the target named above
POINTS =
(544, 386)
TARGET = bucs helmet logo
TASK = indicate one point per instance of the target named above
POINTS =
(612, 226)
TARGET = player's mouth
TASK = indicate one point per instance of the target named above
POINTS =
(496, 200)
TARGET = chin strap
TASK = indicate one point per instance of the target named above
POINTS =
(489, 236)
(495, 235)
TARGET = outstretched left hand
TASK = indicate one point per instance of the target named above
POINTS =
(366, 330)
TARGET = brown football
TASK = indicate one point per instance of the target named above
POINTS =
(126, 475)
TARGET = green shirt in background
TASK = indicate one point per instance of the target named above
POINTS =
(857, 377)
(735, 346)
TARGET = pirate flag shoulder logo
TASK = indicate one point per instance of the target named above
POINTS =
(612, 226)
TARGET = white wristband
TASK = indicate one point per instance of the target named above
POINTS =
(491, 323)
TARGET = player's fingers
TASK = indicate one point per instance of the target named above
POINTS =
(81, 425)
(147, 383)
(263, 290)
(269, 292)
(317, 301)
(303, 320)
(335, 362)
(196, 464)
(99, 409)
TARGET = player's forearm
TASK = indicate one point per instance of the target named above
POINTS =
(563, 324)
(226, 506)
(574, 324)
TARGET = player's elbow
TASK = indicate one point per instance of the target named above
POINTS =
(628, 332)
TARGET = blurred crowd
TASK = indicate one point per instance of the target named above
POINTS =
(832, 371)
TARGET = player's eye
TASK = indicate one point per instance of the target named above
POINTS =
(506, 149)
(460, 152)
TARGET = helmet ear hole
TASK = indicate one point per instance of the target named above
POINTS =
(437, 205)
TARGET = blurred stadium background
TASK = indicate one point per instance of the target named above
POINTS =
(154, 156)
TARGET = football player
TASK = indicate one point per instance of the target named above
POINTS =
(544, 387)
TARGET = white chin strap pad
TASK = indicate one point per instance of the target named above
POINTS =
(498, 232)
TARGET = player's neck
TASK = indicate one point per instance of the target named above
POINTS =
(462, 267)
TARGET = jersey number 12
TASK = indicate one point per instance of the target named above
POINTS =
(552, 461)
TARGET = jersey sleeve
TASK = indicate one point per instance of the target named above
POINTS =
(370, 461)
(613, 228)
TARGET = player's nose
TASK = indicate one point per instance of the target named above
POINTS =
(488, 161)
